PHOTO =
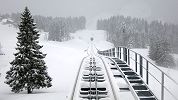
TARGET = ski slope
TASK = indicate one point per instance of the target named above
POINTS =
(63, 59)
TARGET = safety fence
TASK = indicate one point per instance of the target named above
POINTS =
(162, 85)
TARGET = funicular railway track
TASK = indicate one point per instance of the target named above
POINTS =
(109, 75)
(92, 81)
(96, 80)
(100, 78)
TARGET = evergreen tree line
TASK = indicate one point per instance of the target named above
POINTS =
(162, 38)
(137, 32)
(58, 27)
(125, 31)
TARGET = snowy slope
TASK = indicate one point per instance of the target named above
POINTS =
(63, 59)
(99, 37)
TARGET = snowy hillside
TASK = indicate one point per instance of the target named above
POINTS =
(63, 60)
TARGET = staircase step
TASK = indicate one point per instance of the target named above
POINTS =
(123, 65)
(118, 76)
(126, 69)
(114, 68)
(144, 93)
(140, 87)
(119, 61)
(130, 73)
(142, 90)
(124, 89)
(137, 81)
(134, 77)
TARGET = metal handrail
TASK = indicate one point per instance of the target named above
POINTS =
(126, 56)
(156, 67)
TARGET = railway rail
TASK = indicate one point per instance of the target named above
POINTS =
(100, 78)
(92, 81)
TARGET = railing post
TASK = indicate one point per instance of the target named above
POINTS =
(111, 53)
(147, 70)
(162, 87)
(128, 56)
(120, 52)
(141, 67)
(125, 55)
(136, 62)
(113, 50)
(117, 52)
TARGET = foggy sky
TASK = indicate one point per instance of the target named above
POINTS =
(165, 10)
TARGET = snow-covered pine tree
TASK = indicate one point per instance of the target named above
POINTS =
(28, 71)
(159, 51)
(163, 54)
(153, 49)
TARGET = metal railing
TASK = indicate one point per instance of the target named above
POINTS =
(163, 86)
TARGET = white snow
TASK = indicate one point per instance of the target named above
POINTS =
(6, 20)
(62, 60)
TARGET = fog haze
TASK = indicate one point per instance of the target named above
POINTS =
(165, 10)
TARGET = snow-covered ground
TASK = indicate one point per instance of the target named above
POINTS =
(63, 60)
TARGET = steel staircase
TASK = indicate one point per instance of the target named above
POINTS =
(139, 89)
